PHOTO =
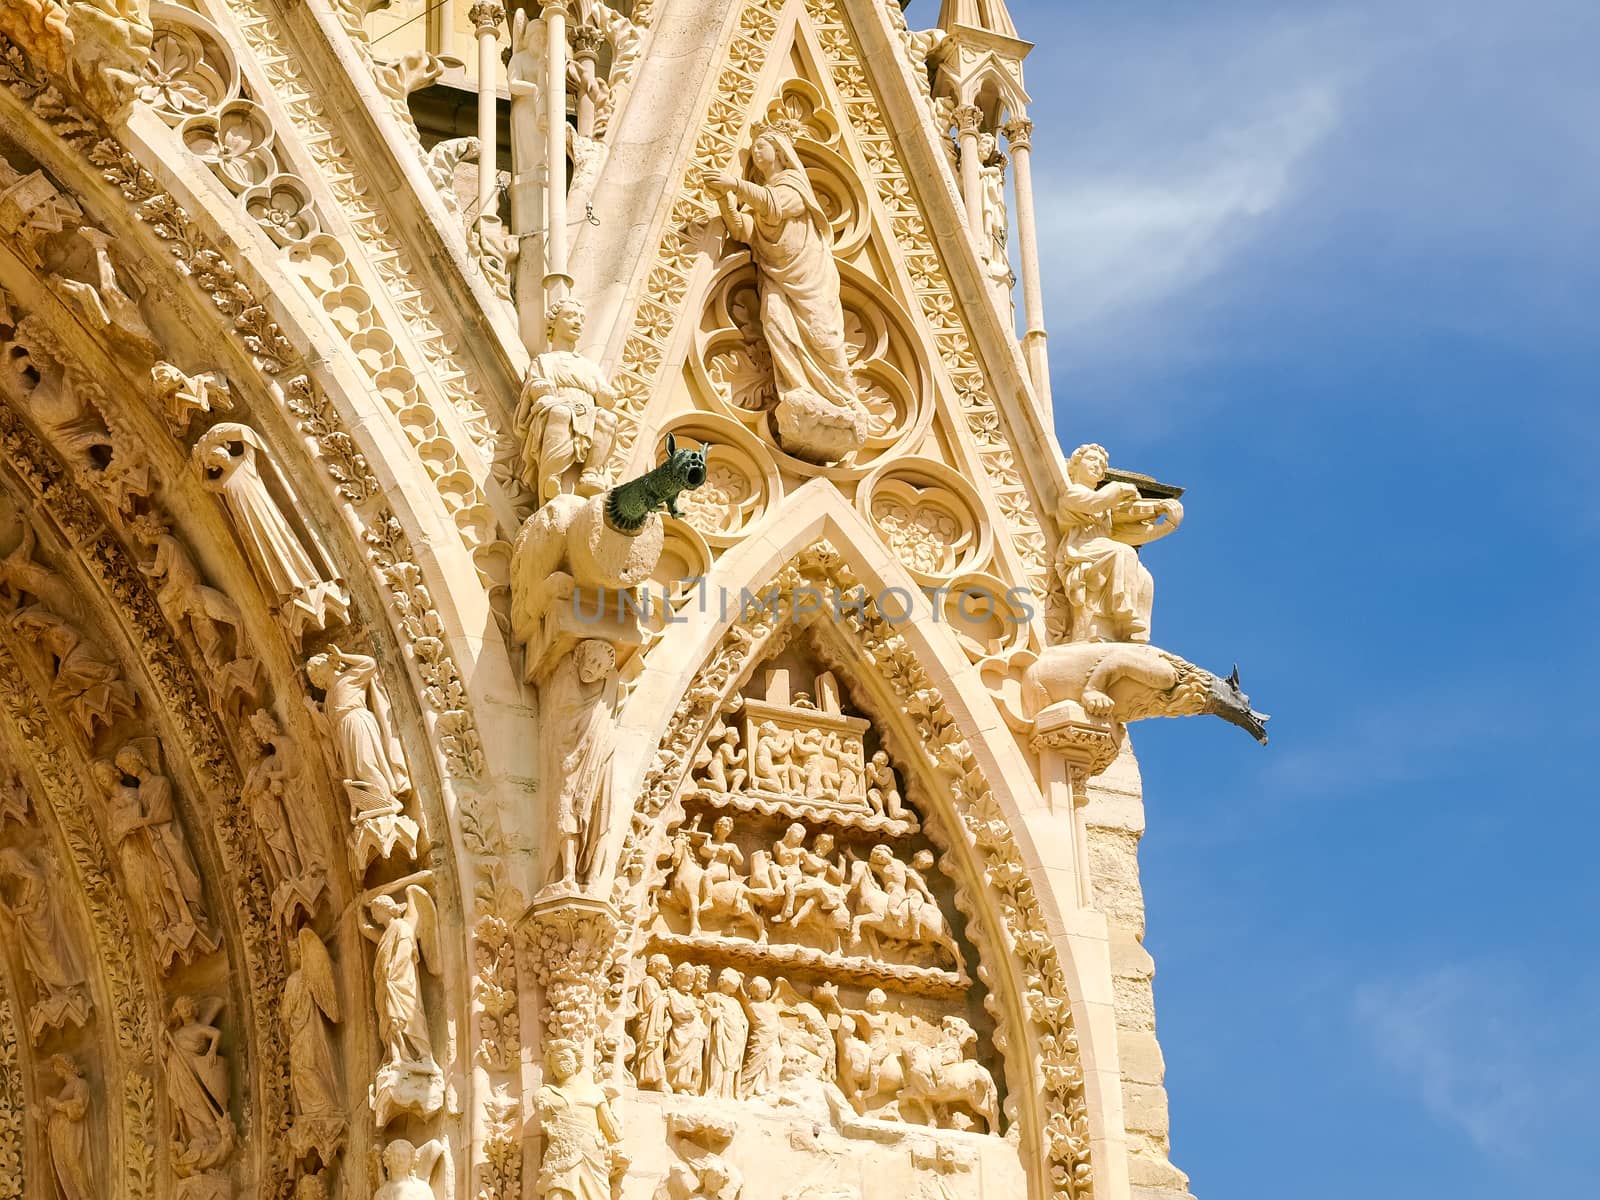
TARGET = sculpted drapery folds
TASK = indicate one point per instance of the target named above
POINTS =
(582, 1157)
(233, 462)
(203, 1133)
(564, 413)
(280, 801)
(29, 908)
(310, 1005)
(67, 1131)
(407, 937)
(1109, 591)
(577, 704)
(819, 415)
(359, 725)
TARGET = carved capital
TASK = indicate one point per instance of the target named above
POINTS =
(567, 941)
(1019, 133)
(487, 16)
(1087, 746)
(968, 118)
(555, 8)
(586, 41)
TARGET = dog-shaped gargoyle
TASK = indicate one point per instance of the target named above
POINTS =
(1117, 682)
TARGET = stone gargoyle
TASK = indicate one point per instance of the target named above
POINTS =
(576, 557)
(1116, 681)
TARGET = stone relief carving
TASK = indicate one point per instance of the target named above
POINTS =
(409, 1170)
(14, 803)
(198, 1088)
(159, 871)
(182, 397)
(701, 1172)
(66, 1115)
(359, 725)
(96, 46)
(1108, 589)
(407, 937)
(292, 568)
(195, 609)
(279, 799)
(582, 1157)
(29, 909)
(310, 1006)
(577, 706)
(819, 415)
(564, 413)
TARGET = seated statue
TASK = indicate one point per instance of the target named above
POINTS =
(1108, 590)
(564, 414)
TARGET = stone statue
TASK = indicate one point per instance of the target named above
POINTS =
(720, 761)
(310, 1005)
(28, 905)
(360, 727)
(883, 792)
(155, 857)
(407, 935)
(1108, 590)
(564, 414)
(14, 803)
(183, 596)
(727, 1032)
(652, 1025)
(763, 1059)
(197, 1088)
(819, 415)
(408, 1169)
(686, 1038)
(993, 178)
(281, 805)
(577, 710)
(88, 680)
(232, 461)
(66, 1132)
(1121, 682)
(581, 1159)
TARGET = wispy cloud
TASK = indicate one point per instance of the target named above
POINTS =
(1484, 1053)
(1129, 240)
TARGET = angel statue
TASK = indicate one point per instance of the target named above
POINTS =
(819, 415)
(300, 582)
(197, 1088)
(356, 721)
(408, 938)
(408, 1169)
(310, 1005)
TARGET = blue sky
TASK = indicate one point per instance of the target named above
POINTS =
(1334, 266)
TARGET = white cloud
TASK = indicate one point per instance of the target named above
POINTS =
(1483, 1051)
(1131, 240)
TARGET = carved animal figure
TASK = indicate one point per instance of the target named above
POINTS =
(628, 504)
(934, 1083)
(726, 900)
(1125, 681)
(904, 914)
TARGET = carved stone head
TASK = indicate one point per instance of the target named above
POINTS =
(1088, 464)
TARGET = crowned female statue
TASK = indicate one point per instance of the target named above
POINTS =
(819, 415)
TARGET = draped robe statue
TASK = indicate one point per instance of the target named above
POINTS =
(819, 415)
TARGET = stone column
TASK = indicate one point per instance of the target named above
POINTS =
(968, 119)
(557, 283)
(1019, 137)
(487, 16)
(1072, 750)
(586, 43)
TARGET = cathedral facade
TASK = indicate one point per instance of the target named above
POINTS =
(597, 678)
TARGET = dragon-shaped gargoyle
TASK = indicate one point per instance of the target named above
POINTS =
(1116, 681)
